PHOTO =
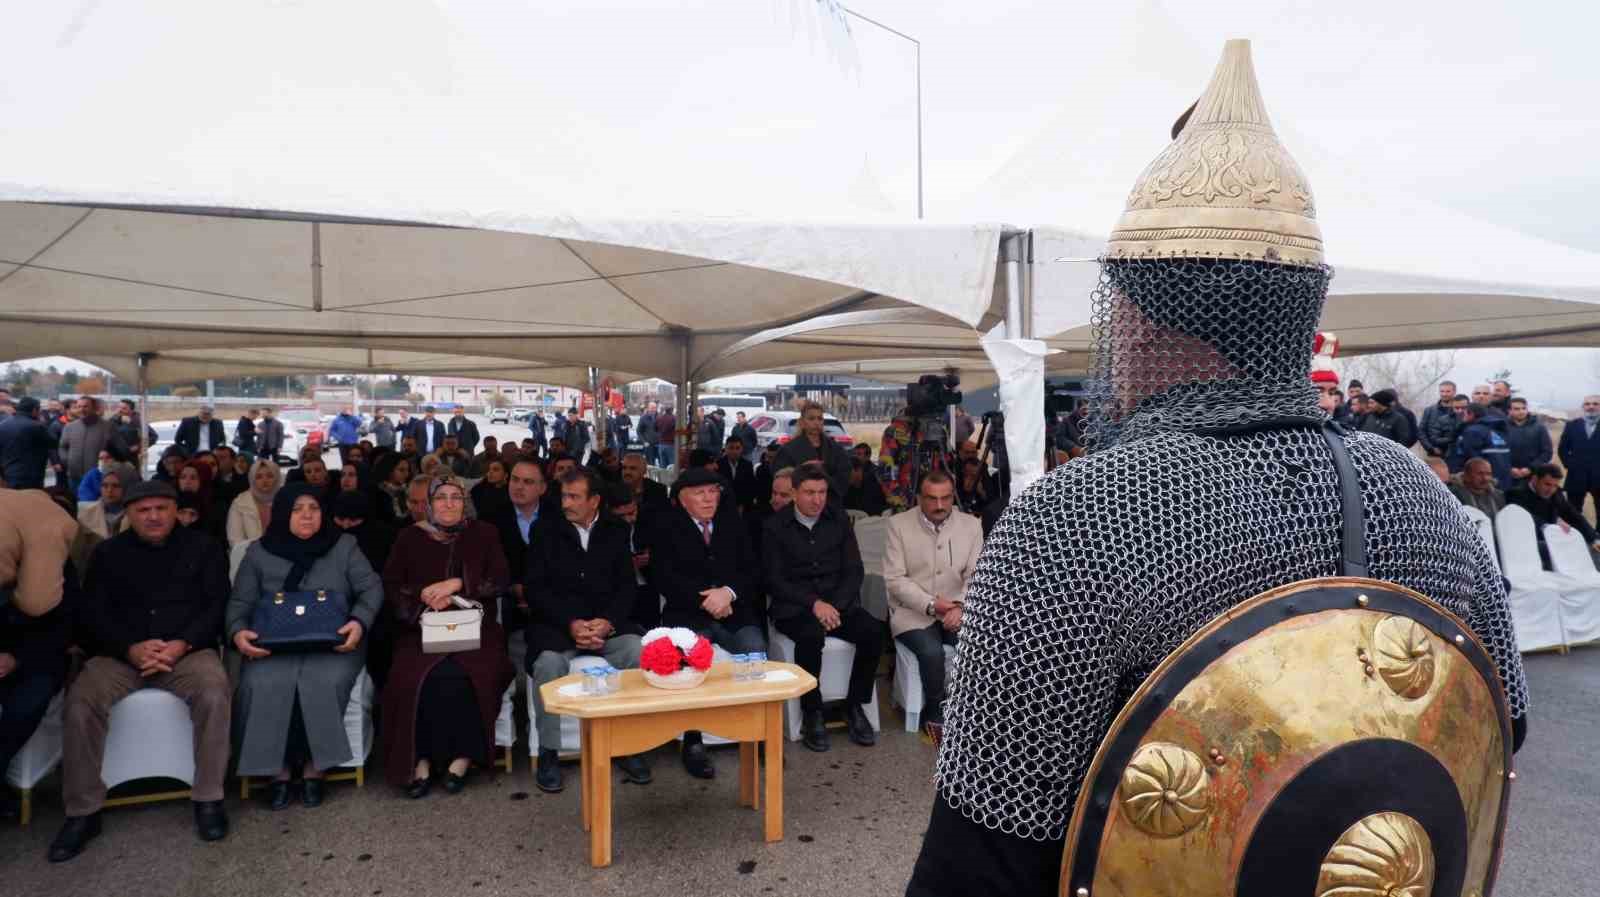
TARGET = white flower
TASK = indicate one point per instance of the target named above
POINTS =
(683, 639)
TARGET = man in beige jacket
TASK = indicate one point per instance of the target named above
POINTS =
(931, 553)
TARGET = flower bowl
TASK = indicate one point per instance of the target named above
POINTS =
(688, 677)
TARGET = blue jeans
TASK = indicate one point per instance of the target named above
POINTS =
(666, 455)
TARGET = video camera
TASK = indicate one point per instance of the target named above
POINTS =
(933, 393)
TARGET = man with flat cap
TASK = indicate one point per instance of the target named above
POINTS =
(152, 614)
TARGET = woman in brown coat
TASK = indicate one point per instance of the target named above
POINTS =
(439, 709)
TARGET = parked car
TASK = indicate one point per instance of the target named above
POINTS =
(306, 424)
(502, 415)
(167, 429)
(782, 426)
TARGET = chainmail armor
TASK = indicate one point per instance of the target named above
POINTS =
(1105, 566)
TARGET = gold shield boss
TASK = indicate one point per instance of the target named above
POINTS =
(1332, 738)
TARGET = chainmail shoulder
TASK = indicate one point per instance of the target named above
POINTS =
(1103, 567)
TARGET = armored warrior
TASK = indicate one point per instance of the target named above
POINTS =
(1235, 650)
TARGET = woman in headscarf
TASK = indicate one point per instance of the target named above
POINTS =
(289, 710)
(171, 462)
(356, 478)
(251, 511)
(104, 516)
(439, 709)
(393, 474)
(194, 479)
(492, 492)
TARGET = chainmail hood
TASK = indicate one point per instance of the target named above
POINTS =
(1201, 344)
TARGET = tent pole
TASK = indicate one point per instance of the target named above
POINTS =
(597, 417)
(142, 360)
(1015, 248)
(684, 402)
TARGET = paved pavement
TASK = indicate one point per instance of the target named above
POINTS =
(854, 820)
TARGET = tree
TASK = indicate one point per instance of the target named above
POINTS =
(499, 400)
(91, 385)
(1413, 375)
(69, 379)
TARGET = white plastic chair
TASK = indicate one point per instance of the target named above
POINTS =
(856, 516)
(907, 692)
(1580, 604)
(872, 536)
(38, 757)
(1485, 530)
(834, 683)
(149, 735)
(1535, 597)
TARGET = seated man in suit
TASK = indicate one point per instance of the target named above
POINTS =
(649, 495)
(1542, 497)
(812, 567)
(702, 565)
(517, 521)
(580, 590)
(931, 554)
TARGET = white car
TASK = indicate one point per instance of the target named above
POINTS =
(502, 416)
(782, 426)
(167, 429)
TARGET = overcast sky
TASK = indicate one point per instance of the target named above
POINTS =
(1486, 108)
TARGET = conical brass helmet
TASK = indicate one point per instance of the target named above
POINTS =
(1225, 188)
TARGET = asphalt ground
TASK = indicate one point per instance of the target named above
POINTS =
(854, 819)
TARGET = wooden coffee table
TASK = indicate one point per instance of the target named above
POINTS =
(641, 716)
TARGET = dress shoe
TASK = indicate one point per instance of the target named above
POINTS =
(311, 795)
(634, 770)
(419, 788)
(75, 835)
(278, 794)
(697, 762)
(813, 732)
(210, 820)
(548, 776)
(859, 727)
(455, 784)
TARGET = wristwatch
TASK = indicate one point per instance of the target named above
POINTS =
(929, 609)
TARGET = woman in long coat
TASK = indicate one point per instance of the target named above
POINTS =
(289, 709)
(440, 708)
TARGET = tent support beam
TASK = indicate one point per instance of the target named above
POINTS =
(683, 400)
(316, 266)
(596, 416)
(1016, 256)
(143, 362)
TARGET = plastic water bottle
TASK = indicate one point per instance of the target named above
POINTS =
(613, 680)
(758, 666)
(741, 667)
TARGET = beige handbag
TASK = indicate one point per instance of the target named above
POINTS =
(447, 631)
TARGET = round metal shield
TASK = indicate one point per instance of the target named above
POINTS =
(1340, 736)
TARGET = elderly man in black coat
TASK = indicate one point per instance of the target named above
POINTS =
(702, 564)
(579, 587)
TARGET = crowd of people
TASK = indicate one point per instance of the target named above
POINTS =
(566, 556)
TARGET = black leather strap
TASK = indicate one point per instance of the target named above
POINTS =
(1353, 558)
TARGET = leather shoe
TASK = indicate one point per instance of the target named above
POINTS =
(697, 762)
(418, 788)
(859, 727)
(634, 770)
(814, 733)
(548, 776)
(210, 820)
(454, 784)
(278, 794)
(311, 795)
(75, 835)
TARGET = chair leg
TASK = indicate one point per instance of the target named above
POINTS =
(361, 776)
(244, 787)
(508, 761)
(27, 807)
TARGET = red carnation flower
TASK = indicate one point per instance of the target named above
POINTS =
(661, 657)
(700, 656)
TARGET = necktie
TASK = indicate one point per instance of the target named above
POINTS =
(705, 532)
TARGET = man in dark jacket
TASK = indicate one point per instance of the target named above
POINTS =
(813, 444)
(244, 432)
(517, 521)
(579, 586)
(666, 438)
(1529, 440)
(1440, 426)
(702, 565)
(1579, 451)
(152, 612)
(624, 505)
(464, 430)
(1388, 420)
(1542, 498)
(746, 435)
(25, 446)
(647, 432)
(428, 432)
(200, 433)
(1483, 436)
(649, 495)
(269, 435)
(734, 467)
(813, 573)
